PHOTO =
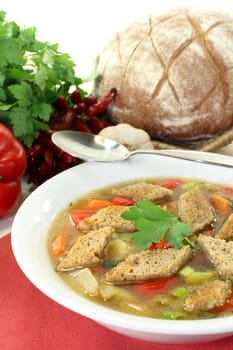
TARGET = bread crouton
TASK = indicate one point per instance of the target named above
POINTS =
(226, 231)
(87, 250)
(194, 209)
(109, 216)
(171, 207)
(149, 264)
(142, 190)
(210, 294)
(220, 253)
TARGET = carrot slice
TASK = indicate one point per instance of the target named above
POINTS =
(59, 244)
(96, 204)
(220, 203)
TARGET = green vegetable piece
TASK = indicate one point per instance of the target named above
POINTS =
(154, 223)
(186, 271)
(172, 315)
(189, 185)
(180, 292)
(200, 277)
(108, 263)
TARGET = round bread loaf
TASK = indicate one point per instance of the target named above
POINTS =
(173, 73)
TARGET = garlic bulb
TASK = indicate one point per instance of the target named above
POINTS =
(127, 135)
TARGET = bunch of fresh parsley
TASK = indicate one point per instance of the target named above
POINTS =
(153, 223)
(32, 75)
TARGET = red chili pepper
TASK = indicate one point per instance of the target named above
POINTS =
(75, 96)
(13, 163)
(101, 104)
(80, 125)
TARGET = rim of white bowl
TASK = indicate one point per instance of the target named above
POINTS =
(105, 315)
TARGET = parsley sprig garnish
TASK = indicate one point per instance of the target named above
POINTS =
(32, 74)
(153, 223)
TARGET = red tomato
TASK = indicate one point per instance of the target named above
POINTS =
(10, 193)
(13, 163)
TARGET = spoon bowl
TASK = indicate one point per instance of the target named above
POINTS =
(90, 147)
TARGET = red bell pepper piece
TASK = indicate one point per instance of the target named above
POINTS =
(169, 183)
(13, 163)
(148, 288)
(78, 215)
(122, 201)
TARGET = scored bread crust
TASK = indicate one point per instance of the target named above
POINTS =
(173, 73)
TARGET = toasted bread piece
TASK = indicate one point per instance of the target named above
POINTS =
(226, 231)
(210, 294)
(109, 216)
(142, 190)
(149, 264)
(172, 207)
(194, 209)
(220, 253)
(87, 250)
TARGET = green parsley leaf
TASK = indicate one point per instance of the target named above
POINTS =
(32, 75)
(22, 92)
(153, 223)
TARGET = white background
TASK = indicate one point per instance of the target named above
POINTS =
(82, 27)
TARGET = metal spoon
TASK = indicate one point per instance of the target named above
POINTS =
(94, 147)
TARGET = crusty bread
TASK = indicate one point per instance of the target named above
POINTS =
(194, 209)
(109, 216)
(226, 231)
(142, 190)
(211, 294)
(220, 253)
(87, 250)
(173, 73)
(147, 264)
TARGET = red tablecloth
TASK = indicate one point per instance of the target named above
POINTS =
(31, 321)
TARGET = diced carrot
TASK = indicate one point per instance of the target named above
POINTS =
(78, 215)
(96, 204)
(122, 201)
(220, 203)
(59, 244)
(169, 183)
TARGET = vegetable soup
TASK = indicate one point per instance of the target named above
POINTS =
(155, 247)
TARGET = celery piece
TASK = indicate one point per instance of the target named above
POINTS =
(172, 315)
(200, 277)
(188, 185)
(186, 271)
(180, 292)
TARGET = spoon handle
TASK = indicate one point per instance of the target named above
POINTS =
(195, 156)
